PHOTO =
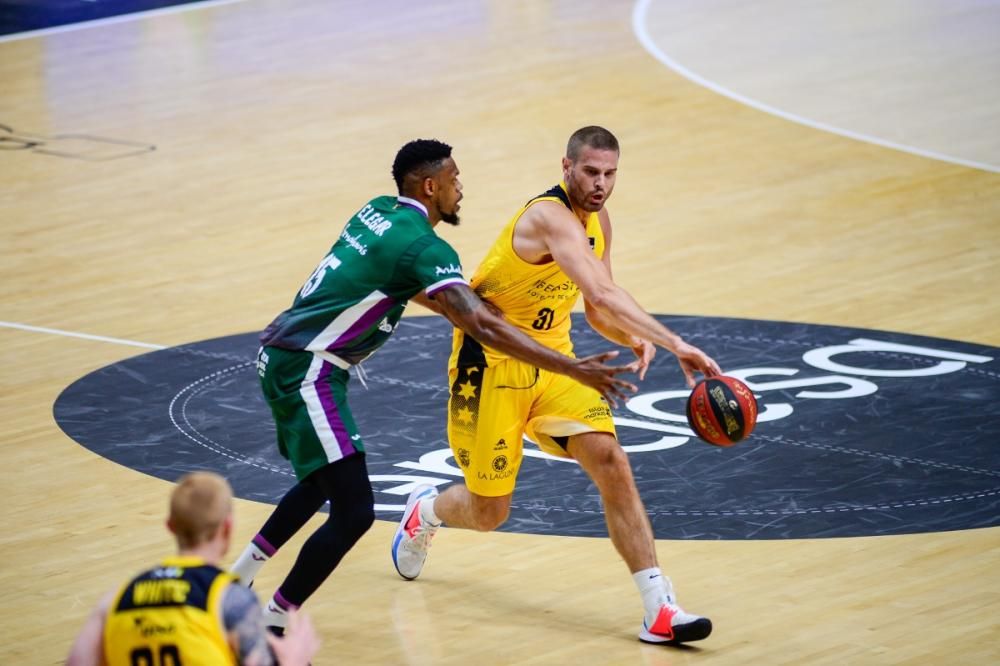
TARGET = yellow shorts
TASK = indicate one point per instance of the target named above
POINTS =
(491, 408)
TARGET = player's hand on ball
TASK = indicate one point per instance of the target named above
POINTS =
(694, 360)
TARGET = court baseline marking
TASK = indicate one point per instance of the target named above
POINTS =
(71, 334)
(639, 13)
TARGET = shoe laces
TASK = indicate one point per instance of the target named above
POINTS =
(422, 535)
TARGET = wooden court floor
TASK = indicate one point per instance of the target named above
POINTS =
(272, 121)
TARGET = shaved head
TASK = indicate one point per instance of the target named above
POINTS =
(592, 136)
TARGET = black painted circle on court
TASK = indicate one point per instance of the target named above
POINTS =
(856, 437)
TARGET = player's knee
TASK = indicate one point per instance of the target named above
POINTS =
(610, 468)
(364, 519)
(489, 514)
(611, 458)
(355, 520)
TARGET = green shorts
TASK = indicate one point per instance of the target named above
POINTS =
(308, 399)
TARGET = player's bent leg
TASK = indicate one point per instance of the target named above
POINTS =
(426, 510)
(346, 485)
(602, 457)
(459, 507)
(296, 507)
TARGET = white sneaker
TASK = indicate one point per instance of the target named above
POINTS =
(673, 625)
(413, 536)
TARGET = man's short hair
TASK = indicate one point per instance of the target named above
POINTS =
(421, 157)
(199, 505)
(593, 137)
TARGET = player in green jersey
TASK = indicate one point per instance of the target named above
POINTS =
(386, 255)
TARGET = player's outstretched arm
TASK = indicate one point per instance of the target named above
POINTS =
(565, 241)
(644, 350)
(463, 308)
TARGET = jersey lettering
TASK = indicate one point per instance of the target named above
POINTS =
(154, 592)
(167, 655)
(544, 320)
(312, 284)
(374, 220)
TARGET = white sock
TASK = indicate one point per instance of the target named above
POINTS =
(427, 512)
(655, 590)
(274, 613)
(249, 563)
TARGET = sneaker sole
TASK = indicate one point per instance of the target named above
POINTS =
(685, 633)
(415, 496)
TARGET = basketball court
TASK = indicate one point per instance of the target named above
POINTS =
(808, 192)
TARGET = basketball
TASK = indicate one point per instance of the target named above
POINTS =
(722, 410)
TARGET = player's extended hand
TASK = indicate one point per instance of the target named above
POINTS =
(694, 360)
(644, 352)
(300, 643)
(593, 372)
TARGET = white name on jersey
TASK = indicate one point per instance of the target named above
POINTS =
(373, 220)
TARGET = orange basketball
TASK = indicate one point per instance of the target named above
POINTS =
(722, 410)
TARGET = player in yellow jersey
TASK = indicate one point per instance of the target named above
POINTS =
(554, 249)
(187, 610)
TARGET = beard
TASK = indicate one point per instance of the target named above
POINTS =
(450, 218)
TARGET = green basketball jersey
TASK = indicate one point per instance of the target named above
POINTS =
(350, 305)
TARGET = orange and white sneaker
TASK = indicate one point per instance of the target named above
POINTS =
(413, 536)
(674, 626)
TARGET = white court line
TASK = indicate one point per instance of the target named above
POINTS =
(122, 18)
(639, 13)
(85, 336)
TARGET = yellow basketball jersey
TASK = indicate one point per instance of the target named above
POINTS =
(170, 615)
(536, 298)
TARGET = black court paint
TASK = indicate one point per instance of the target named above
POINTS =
(23, 16)
(860, 433)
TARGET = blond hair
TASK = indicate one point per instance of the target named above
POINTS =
(199, 506)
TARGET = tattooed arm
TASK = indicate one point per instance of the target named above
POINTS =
(244, 625)
(463, 308)
(253, 645)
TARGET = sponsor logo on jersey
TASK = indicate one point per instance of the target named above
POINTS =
(148, 628)
(598, 413)
(448, 270)
(545, 290)
(354, 242)
(262, 359)
(495, 476)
